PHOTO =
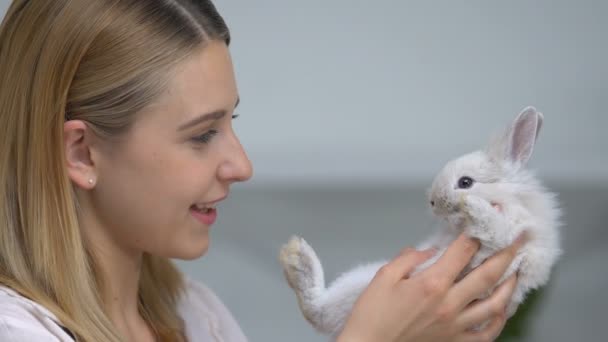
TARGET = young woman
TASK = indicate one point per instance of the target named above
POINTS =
(116, 145)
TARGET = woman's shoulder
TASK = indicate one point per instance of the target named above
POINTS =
(201, 308)
(22, 319)
(204, 314)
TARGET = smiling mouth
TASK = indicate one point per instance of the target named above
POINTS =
(203, 209)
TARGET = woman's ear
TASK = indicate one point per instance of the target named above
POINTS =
(77, 139)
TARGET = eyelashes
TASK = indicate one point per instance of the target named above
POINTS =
(206, 137)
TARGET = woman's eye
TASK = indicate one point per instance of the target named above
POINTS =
(206, 137)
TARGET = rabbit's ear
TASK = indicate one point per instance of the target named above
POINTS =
(523, 135)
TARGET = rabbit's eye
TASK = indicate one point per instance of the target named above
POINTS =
(465, 182)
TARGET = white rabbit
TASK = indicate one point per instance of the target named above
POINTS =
(488, 194)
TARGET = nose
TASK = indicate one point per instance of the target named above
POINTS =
(432, 203)
(236, 167)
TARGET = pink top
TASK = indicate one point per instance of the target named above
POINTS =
(206, 318)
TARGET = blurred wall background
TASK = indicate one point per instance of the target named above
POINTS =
(348, 110)
(383, 92)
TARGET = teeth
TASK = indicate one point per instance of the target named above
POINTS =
(203, 207)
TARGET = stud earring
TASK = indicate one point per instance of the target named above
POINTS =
(91, 181)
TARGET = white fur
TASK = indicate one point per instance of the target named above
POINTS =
(504, 200)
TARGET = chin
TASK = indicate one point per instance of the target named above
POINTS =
(192, 250)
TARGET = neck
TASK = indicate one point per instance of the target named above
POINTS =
(121, 283)
(120, 269)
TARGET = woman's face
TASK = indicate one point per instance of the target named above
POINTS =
(179, 158)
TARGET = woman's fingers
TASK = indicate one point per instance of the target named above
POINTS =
(477, 283)
(489, 333)
(454, 259)
(404, 263)
(493, 306)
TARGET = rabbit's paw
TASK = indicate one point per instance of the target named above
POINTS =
(299, 263)
(484, 219)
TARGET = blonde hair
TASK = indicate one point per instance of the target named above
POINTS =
(100, 61)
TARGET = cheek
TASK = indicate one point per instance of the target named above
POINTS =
(137, 208)
(147, 185)
(195, 174)
(491, 192)
(191, 177)
(145, 203)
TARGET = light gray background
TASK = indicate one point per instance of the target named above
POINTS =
(350, 107)
(349, 91)
(384, 91)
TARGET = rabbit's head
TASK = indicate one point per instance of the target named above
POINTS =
(496, 173)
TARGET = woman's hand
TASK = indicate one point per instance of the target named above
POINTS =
(429, 306)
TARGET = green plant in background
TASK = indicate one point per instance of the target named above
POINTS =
(518, 325)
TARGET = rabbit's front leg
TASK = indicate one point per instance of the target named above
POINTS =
(489, 224)
(486, 222)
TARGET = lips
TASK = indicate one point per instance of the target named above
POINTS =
(206, 216)
(210, 204)
(203, 208)
(206, 213)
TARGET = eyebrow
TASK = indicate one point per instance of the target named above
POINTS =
(205, 117)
